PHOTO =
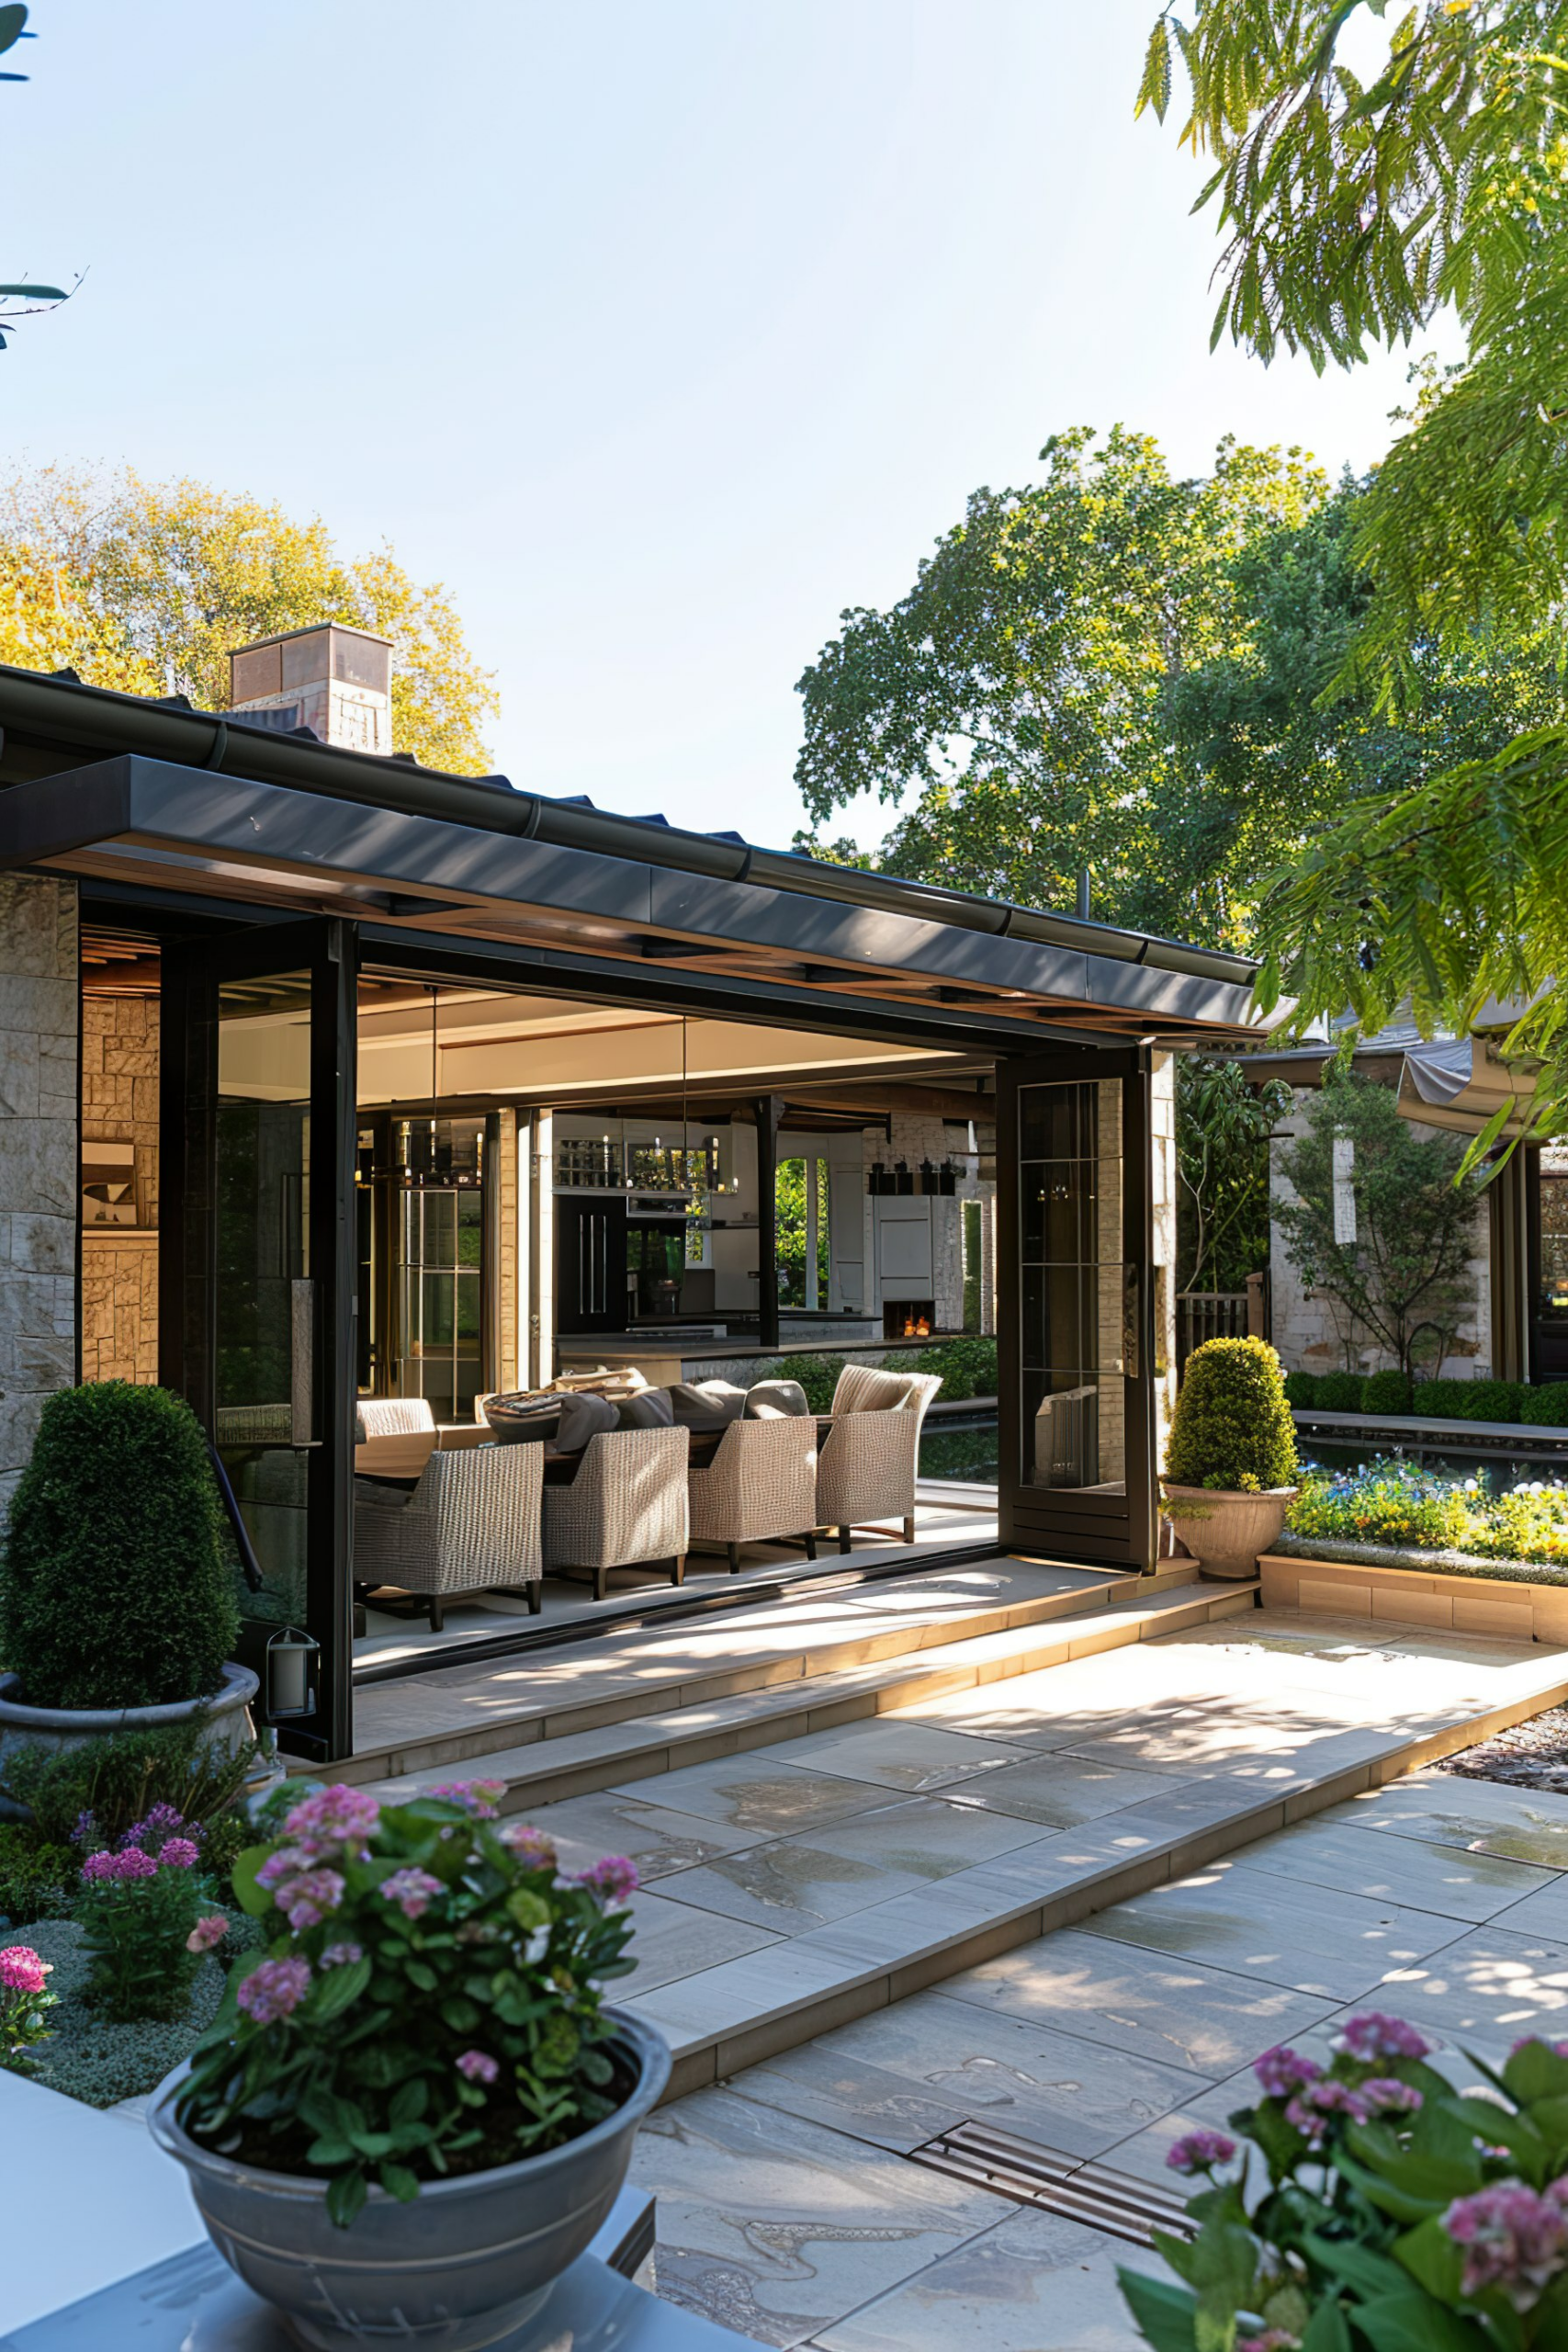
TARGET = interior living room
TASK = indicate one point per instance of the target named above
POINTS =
(629, 1202)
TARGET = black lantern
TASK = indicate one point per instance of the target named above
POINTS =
(291, 1683)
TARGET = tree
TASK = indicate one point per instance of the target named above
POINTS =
(1017, 689)
(1353, 211)
(1222, 1127)
(1405, 1277)
(22, 301)
(148, 587)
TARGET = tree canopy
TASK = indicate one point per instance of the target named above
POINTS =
(1353, 208)
(149, 586)
(1119, 669)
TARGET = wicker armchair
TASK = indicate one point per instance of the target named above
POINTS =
(761, 1483)
(391, 1416)
(627, 1506)
(867, 1473)
(471, 1523)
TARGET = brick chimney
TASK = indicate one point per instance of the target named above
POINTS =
(334, 680)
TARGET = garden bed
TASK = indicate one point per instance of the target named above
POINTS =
(86, 2056)
(1510, 1601)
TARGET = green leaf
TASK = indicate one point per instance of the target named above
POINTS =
(1327, 2329)
(338, 1990)
(1432, 2260)
(1535, 2071)
(409, 2101)
(36, 293)
(12, 20)
(399, 2182)
(346, 2197)
(1166, 2314)
(462, 2015)
(253, 1900)
(1154, 89)
(1412, 2321)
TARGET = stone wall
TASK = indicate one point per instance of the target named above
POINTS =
(38, 1209)
(119, 1267)
(1310, 1332)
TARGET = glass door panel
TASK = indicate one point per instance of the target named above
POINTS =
(1075, 1414)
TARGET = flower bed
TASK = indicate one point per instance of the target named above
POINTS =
(1391, 1513)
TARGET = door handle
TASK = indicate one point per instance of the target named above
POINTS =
(302, 1361)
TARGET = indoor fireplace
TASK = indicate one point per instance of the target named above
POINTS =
(908, 1318)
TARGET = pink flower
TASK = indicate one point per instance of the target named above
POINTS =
(1200, 2151)
(1383, 2096)
(132, 1863)
(21, 1969)
(413, 1890)
(288, 1861)
(534, 1850)
(335, 1816)
(1273, 2339)
(207, 1933)
(1530, 2041)
(1512, 2238)
(307, 1899)
(1279, 2072)
(1372, 2035)
(1312, 2107)
(274, 1988)
(178, 1854)
(479, 1798)
(341, 1955)
(478, 2066)
(614, 1878)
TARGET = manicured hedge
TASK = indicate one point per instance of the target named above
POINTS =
(1339, 1392)
(1386, 1392)
(1471, 1400)
(1446, 1400)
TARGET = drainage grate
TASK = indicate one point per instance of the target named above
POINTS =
(1112, 2201)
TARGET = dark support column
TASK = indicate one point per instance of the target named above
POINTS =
(768, 1109)
(1508, 1224)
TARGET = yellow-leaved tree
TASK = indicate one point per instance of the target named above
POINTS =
(149, 586)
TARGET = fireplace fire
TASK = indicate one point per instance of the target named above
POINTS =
(908, 1318)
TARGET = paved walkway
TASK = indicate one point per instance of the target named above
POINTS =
(788, 2207)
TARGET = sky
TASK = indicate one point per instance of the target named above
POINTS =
(659, 335)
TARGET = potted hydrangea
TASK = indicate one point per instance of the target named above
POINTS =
(414, 2111)
(1394, 2214)
(1231, 1460)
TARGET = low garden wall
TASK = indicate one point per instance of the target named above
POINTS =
(1511, 1601)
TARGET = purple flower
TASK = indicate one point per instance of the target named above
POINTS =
(21, 1969)
(413, 1890)
(309, 1898)
(132, 1863)
(1273, 2339)
(288, 1863)
(87, 1829)
(1512, 2239)
(341, 1955)
(274, 1989)
(1372, 2035)
(614, 1879)
(1279, 2072)
(160, 1823)
(1200, 2151)
(479, 1798)
(178, 1854)
(207, 1933)
(534, 1850)
(334, 1817)
(1529, 2042)
(1383, 2096)
(478, 2066)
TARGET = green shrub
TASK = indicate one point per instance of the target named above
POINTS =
(1232, 1427)
(1546, 1406)
(1494, 1400)
(1300, 1388)
(37, 1880)
(1444, 1400)
(1386, 1392)
(120, 1777)
(90, 2058)
(115, 1590)
(964, 1367)
(1340, 1392)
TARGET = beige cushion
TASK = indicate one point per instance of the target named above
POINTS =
(706, 1403)
(773, 1400)
(650, 1408)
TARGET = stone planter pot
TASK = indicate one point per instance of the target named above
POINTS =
(226, 1715)
(461, 2267)
(1225, 1532)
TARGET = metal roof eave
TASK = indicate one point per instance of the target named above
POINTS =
(450, 870)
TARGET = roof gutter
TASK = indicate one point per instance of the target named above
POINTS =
(61, 711)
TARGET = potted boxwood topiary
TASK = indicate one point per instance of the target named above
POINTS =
(414, 2111)
(117, 1601)
(1232, 1456)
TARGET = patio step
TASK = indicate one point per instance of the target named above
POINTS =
(570, 1763)
(451, 1715)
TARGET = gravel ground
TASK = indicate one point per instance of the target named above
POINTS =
(1534, 1755)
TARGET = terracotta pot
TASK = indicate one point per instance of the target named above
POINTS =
(1225, 1532)
(463, 2266)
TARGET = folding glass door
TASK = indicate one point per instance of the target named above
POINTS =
(1075, 1237)
(257, 1290)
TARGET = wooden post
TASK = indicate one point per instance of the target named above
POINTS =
(768, 1107)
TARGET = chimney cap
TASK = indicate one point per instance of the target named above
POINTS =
(312, 629)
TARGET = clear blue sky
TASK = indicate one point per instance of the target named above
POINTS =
(658, 332)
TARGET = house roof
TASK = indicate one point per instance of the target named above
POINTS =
(125, 786)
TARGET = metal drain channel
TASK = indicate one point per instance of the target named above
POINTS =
(1112, 2201)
